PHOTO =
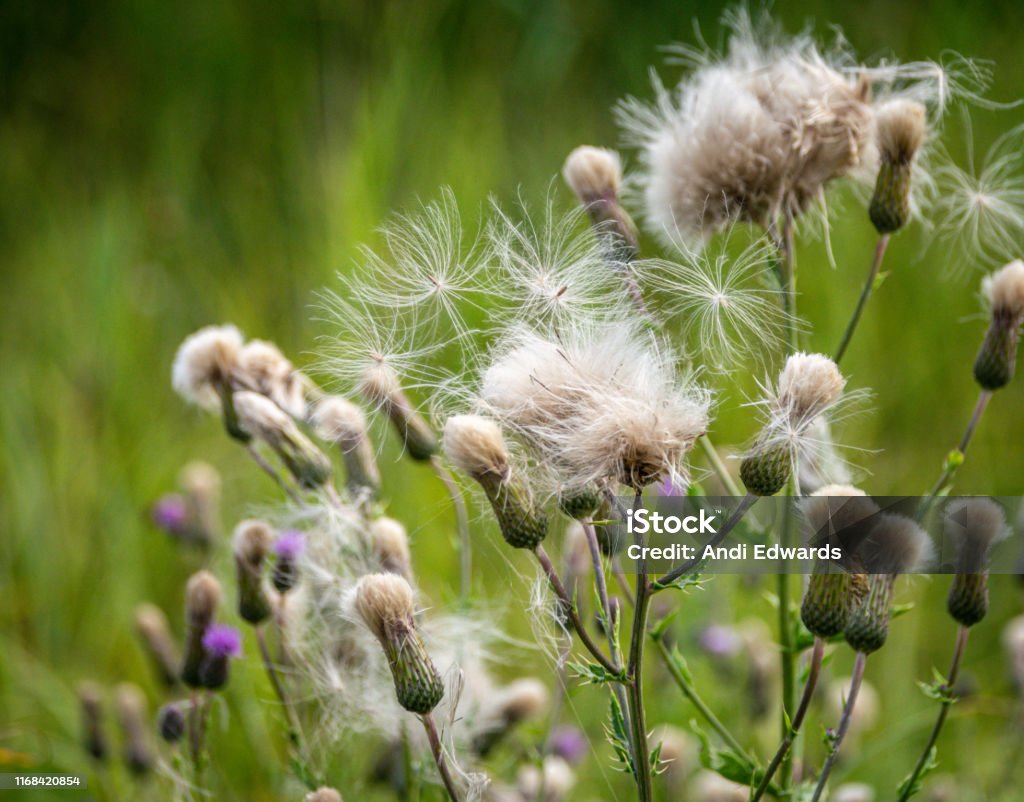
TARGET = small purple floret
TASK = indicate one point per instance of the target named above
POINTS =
(290, 544)
(171, 513)
(223, 641)
(570, 744)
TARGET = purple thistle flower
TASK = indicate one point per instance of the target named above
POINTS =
(290, 544)
(223, 641)
(171, 513)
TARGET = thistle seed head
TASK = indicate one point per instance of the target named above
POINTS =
(206, 363)
(976, 524)
(900, 131)
(266, 421)
(390, 544)
(808, 385)
(476, 446)
(381, 387)
(265, 370)
(897, 545)
(555, 777)
(252, 543)
(1013, 647)
(1003, 291)
(594, 174)
(155, 634)
(385, 604)
(339, 421)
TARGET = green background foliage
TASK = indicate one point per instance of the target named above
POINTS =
(168, 165)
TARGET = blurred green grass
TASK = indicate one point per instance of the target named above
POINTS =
(169, 165)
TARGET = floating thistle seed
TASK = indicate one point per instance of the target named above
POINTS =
(170, 722)
(595, 175)
(380, 386)
(476, 446)
(808, 385)
(204, 371)
(390, 545)
(155, 634)
(90, 702)
(131, 713)
(385, 604)
(900, 126)
(202, 597)
(835, 514)
(520, 701)
(221, 644)
(268, 422)
(895, 546)
(288, 548)
(339, 421)
(324, 794)
(1004, 294)
(976, 524)
(252, 542)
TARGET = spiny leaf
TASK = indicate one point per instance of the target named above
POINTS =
(912, 785)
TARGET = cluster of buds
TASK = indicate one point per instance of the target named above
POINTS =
(1003, 292)
(385, 604)
(595, 175)
(900, 126)
(476, 446)
(808, 386)
(976, 524)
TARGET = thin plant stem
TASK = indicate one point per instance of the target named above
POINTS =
(570, 609)
(814, 671)
(951, 467)
(634, 672)
(787, 654)
(865, 293)
(691, 693)
(462, 523)
(719, 466)
(947, 701)
(439, 758)
(275, 682)
(668, 579)
(411, 791)
(272, 472)
(844, 724)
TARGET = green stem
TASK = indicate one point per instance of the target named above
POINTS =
(844, 724)
(947, 701)
(462, 524)
(788, 652)
(951, 467)
(865, 293)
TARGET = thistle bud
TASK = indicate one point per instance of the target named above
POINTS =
(380, 386)
(252, 542)
(202, 597)
(765, 471)
(595, 175)
(90, 702)
(288, 548)
(901, 131)
(976, 524)
(323, 795)
(895, 546)
(266, 421)
(155, 634)
(520, 701)
(200, 483)
(580, 503)
(131, 713)
(1004, 295)
(341, 422)
(171, 722)
(262, 368)
(385, 604)
(204, 371)
(221, 644)
(476, 446)
(390, 545)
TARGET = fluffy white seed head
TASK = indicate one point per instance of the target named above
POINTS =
(263, 368)
(206, 360)
(808, 385)
(1003, 290)
(260, 416)
(593, 173)
(385, 604)
(338, 420)
(390, 545)
(475, 445)
(897, 545)
(900, 127)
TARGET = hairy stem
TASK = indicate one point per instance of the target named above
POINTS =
(951, 467)
(789, 736)
(439, 758)
(462, 522)
(844, 724)
(865, 293)
(571, 610)
(954, 671)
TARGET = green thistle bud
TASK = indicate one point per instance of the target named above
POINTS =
(827, 604)
(581, 503)
(868, 627)
(975, 524)
(252, 542)
(385, 603)
(901, 130)
(766, 471)
(890, 205)
(1003, 292)
(523, 524)
(968, 598)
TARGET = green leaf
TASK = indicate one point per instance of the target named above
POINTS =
(879, 280)
(911, 784)
(954, 459)
(938, 689)
(723, 761)
(618, 737)
(593, 673)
